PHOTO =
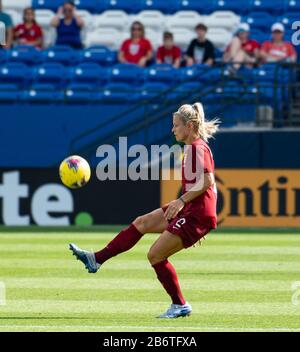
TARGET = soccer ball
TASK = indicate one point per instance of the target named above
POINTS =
(75, 172)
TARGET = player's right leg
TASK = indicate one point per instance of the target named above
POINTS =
(125, 240)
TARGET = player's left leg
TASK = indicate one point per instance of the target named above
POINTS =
(167, 245)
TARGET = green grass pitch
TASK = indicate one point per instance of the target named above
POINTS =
(234, 281)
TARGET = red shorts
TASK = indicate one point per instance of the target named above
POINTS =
(189, 228)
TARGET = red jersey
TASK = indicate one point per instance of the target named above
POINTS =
(279, 52)
(168, 56)
(134, 51)
(29, 34)
(250, 46)
(197, 161)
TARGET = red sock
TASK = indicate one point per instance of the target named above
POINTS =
(125, 240)
(166, 274)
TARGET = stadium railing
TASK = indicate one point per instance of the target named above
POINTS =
(291, 88)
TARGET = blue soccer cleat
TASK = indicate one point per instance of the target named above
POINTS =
(176, 311)
(87, 258)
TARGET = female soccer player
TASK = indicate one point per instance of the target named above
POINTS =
(183, 221)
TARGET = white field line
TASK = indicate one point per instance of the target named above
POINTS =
(236, 266)
(146, 283)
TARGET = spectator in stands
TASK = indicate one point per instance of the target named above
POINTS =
(200, 50)
(6, 19)
(29, 32)
(242, 49)
(136, 50)
(277, 49)
(168, 53)
(68, 26)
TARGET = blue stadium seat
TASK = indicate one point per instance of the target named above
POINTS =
(60, 53)
(89, 73)
(126, 73)
(260, 20)
(234, 90)
(189, 90)
(89, 5)
(247, 74)
(292, 6)
(3, 56)
(43, 93)
(100, 55)
(163, 6)
(152, 90)
(9, 93)
(192, 73)
(265, 73)
(231, 5)
(267, 6)
(298, 53)
(81, 93)
(162, 73)
(15, 73)
(289, 34)
(230, 89)
(297, 47)
(118, 93)
(47, 4)
(259, 35)
(212, 74)
(287, 19)
(284, 75)
(266, 94)
(129, 6)
(203, 6)
(200, 73)
(24, 53)
(250, 93)
(218, 54)
(51, 73)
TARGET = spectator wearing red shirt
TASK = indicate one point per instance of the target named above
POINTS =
(29, 32)
(277, 49)
(136, 50)
(242, 49)
(168, 53)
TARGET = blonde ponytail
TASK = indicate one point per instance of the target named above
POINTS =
(195, 114)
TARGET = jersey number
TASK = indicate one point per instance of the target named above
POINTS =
(179, 223)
